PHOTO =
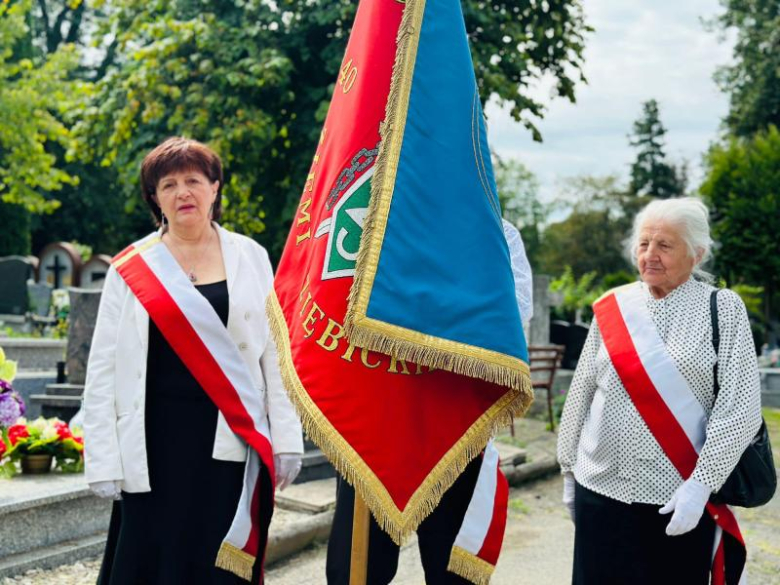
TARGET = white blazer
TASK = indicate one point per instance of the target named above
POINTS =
(115, 390)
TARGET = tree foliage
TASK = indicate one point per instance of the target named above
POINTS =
(37, 100)
(253, 79)
(518, 193)
(588, 241)
(590, 238)
(651, 173)
(741, 188)
(753, 79)
(515, 43)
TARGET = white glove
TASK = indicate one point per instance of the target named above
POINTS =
(568, 493)
(108, 490)
(688, 504)
(288, 466)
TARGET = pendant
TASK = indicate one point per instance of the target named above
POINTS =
(192, 276)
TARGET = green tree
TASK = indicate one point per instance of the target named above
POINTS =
(37, 102)
(15, 235)
(741, 188)
(37, 99)
(518, 193)
(57, 22)
(90, 211)
(752, 81)
(578, 294)
(588, 241)
(591, 238)
(254, 79)
(651, 174)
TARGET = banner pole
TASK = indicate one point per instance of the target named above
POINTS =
(358, 568)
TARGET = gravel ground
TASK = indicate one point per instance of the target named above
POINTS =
(83, 573)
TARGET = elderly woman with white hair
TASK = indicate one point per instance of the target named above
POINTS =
(665, 399)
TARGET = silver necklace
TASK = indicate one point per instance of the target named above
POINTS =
(191, 272)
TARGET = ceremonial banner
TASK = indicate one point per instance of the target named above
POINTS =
(394, 310)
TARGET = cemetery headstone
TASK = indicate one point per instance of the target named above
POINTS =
(543, 300)
(83, 315)
(93, 273)
(60, 265)
(40, 298)
(14, 273)
(64, 400)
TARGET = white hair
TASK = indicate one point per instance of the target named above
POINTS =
(687, 213)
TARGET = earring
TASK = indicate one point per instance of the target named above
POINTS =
(162, 223)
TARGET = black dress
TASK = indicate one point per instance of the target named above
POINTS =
(172, 534)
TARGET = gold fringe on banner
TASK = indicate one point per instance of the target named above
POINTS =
(363, 331)
(233, 559)
(470, 566)
(396, 522)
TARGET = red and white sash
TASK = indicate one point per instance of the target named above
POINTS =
(668, 406)
(478, 544)
(195, 332)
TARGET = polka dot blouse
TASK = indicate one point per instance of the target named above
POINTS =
(615, 454)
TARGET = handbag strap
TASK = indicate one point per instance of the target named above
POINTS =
(715, 336)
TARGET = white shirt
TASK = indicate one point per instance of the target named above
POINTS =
(603, 439)
(521, 270)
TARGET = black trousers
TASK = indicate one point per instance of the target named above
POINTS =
(617, 544)
(436, 535)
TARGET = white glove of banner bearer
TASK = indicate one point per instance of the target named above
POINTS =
(568, 493)
(108, 490)
(288, 466)
(688, 504)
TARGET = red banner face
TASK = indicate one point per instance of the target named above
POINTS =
(398, 431)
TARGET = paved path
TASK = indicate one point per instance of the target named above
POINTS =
(537, 546)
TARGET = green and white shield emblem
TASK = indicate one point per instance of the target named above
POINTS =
(344, 228)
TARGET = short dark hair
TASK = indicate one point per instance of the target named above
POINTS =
(179, 154)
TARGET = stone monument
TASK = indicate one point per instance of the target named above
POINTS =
(93, 273)
(15, 271)
(64, 400)
(60, 265)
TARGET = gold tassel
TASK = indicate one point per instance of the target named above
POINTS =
(233, 559)
(397, 523)
(470, 566)
(402, 343)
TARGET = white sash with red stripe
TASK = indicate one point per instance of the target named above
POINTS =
(478, 544)
(664, 399)
(195, 332)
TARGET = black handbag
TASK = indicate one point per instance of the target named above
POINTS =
(754, 480)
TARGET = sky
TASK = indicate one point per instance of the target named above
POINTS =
(640, 50)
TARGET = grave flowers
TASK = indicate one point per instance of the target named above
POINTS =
(35, 444)
(11, 404)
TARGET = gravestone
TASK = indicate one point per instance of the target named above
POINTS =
(40, 298)
(64, 400)
(93, 273)
(84, 305)
(60, 265)
(543, 300)
(15, 271)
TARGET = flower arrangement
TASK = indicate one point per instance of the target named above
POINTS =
(42, 437)
(11, 404)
